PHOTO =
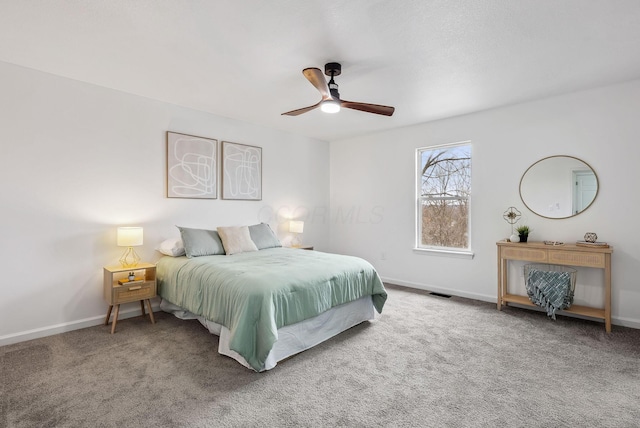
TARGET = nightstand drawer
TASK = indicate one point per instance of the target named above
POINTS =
(131, 293)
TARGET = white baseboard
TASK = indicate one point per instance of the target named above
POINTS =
(37, 333)
(433, 288)
(621, 321)
(626, 322)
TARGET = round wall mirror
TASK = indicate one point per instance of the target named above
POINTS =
(558, 187)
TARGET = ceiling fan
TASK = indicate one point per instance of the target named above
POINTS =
(331, 102)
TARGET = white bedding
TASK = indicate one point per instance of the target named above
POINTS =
(294, 338)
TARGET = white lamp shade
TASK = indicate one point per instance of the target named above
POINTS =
(129, 236)
(296, 226)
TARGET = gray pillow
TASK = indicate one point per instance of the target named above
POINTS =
(201, 242)
(263, 236)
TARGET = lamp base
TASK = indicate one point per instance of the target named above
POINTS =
(129, 258)
(296, 242)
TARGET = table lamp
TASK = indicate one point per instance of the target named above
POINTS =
(129, 237)
(296, 227)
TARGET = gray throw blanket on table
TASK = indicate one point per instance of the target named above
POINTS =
(550, 290)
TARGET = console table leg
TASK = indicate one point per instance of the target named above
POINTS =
(499, 280)
(607, 293)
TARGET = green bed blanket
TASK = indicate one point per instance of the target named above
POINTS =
(253, 294)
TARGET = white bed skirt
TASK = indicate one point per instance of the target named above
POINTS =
(294, 338)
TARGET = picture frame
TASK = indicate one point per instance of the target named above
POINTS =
(241, 172)
(192, 166)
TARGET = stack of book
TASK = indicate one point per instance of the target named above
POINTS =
(130, 281)
(592, 244)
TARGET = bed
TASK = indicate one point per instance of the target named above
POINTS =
(269, 304)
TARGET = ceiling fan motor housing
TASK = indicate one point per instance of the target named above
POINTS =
(332, 69)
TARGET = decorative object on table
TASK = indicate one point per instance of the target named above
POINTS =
(192, 169)
(590, 237)
(553, 242)
(550, 286)
(129, 237)
(511, 216)
(523, 232)
(241, 172)
(132, 276)
(591, 240)
(296, 227)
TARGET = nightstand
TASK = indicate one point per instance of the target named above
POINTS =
(118, 289)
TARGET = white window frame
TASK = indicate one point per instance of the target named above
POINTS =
(437, 250)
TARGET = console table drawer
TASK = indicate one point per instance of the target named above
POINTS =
(577, 258)
(528, 254)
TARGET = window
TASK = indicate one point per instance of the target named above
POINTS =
(444, 187)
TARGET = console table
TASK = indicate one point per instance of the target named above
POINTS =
(565, 254)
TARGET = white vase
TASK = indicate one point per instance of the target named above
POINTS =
(514, 238)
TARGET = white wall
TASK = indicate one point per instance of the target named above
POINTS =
(79, 160)
(374, 176)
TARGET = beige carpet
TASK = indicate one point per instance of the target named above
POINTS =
(428, 361)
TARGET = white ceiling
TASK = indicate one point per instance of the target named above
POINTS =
(243, 58)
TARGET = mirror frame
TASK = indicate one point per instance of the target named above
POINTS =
(551, 157)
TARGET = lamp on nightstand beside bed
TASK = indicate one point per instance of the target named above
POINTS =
(129, 237)
(296, 227)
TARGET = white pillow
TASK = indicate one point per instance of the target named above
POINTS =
(173, 247)
(236, 240)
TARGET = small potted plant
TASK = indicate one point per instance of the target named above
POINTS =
(523, 231)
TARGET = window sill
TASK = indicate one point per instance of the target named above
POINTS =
(461, 254)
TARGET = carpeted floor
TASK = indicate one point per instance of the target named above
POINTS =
(428, 361)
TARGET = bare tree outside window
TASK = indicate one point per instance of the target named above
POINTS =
(443, 196)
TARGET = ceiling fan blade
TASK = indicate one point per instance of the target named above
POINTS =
(301, 110)
(315, 76)
(369, 108)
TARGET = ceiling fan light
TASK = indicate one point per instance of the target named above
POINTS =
(330, 106)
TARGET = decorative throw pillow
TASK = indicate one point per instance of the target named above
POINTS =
(201, 242)
(236, 239)
(173, 247)
(262, 235)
